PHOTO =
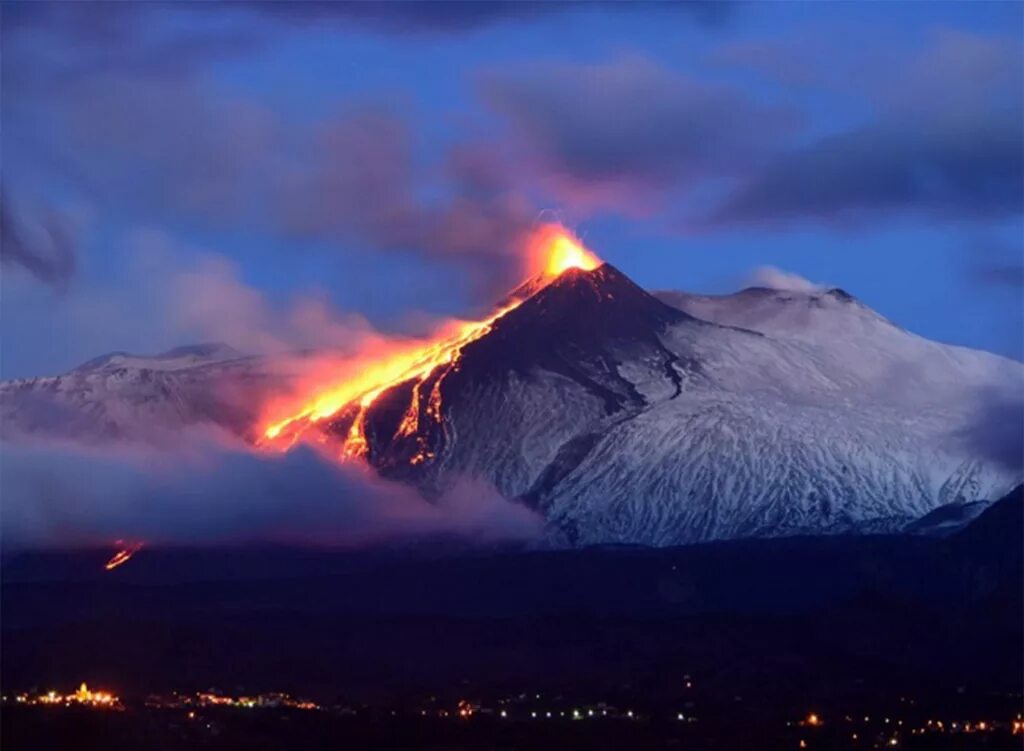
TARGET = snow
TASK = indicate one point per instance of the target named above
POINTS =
(175, 359)
(803, 412)
(131, 397)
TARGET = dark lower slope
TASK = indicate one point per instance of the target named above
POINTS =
(781, 620)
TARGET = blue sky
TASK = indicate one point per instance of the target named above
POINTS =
(175, 173)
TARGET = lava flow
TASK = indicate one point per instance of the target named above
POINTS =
(551, 251)
(121, 556)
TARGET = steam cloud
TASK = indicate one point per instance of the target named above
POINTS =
(215, 493)
(996, 433)
(776, 278)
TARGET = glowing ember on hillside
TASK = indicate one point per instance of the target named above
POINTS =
(121, 556)
(363, 378)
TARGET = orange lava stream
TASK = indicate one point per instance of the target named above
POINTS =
(123, 555)
(551, 251)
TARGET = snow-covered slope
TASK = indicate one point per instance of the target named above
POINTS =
(179, 358)
(626, 419)
(846, 336)
(134, 397)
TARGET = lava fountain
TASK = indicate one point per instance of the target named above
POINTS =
(551, 250)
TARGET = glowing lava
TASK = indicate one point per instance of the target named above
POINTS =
(551, 251)
(121, 556)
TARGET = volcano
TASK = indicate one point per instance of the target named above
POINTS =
(624, 418)
(617, 414)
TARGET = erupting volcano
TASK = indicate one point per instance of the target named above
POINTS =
(615, 414)
(552, 250)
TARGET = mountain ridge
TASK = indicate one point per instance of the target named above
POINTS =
(625, 419)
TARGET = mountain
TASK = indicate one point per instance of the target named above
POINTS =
(623, 416)
(178, 358)
(996, 537)
(126, 396)
(947, 520)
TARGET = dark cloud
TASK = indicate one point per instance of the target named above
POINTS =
(997, 432)
(211, 493)
(44, 244)
(158, 143)
(362, 184)
(458, 16)
(126, 36)
(168, 148)
(993, 273)
(1009, 275)
(999, 265)
(633, 123)
(945, 143)
(117, 26)
(161, 145)
(973, 172)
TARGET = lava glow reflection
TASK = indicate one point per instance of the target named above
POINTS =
(359, 381)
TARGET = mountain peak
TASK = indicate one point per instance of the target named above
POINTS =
(582, 300)
(842, 295)
(172, 359)
(790, 313)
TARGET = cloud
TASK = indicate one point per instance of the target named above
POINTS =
(996, 433)
(159, 146)
(774, 278)
(1009, 276)
(44, 244)
(992, 270)
(996, 265)
(631, 124)
(162, 146)
(215, 493)
(154, 292)
(461, 16)
(945, 145)
(99, 37)
(360, 184)
(971, 172)
(196, 294)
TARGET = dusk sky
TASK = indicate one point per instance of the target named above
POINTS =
(263, 173)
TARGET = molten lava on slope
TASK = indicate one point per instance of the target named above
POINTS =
(551, 251)
(123, 554)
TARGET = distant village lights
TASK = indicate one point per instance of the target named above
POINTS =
(512, 709)
(83, 697)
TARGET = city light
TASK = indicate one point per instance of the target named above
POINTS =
(83, 697)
